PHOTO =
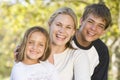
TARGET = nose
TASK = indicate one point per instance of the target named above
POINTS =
(93, 27)
(34, 47)
(61, 30)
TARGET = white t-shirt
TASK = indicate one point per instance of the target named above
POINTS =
(72, 65)
(92, 56)
(39, 71)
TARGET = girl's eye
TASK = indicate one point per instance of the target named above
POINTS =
(30, 42)
(41, 45)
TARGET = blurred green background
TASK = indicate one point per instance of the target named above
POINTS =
(18, 15)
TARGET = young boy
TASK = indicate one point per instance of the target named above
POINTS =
(94, 22)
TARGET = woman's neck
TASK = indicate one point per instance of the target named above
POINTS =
(55, 50)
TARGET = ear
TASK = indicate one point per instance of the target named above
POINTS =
(81, 19)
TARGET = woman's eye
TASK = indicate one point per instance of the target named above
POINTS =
(68, 27)
(58, 24)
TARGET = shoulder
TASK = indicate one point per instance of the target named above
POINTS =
(48, 65)
(77, 54)
(101, 48)
(17, 68)
(99, 43)
(17, 65)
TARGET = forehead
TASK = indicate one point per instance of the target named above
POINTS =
(96, 18)
(36, 35)
(64, 18)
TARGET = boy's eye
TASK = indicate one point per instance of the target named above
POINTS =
(100, 26)
(90, 21)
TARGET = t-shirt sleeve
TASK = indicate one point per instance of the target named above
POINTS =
(15, 74)
(101, 71)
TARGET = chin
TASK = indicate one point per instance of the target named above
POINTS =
(89, 40)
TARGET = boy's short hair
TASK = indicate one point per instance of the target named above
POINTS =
(99, 10)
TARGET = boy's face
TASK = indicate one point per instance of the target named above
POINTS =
(92, 28)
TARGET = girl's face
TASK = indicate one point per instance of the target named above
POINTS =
(35, 46)
(61, 29)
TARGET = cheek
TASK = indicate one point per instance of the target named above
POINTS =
(70, 33)
(27, 50)
(73, 32)
(52, 30)
(42, 49)
(28, 47)
(86, 26)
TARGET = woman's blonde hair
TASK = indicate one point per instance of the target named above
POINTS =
(64, 10)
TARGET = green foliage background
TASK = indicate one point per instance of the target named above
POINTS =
(16, 17)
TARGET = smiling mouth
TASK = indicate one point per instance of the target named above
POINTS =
(60, 37)
(33, 52)
(90, 33)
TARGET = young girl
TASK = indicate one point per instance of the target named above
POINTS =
(32, 53)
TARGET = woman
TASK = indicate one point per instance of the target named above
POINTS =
(71, 64)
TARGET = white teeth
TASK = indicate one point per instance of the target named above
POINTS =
(91, 33)
(60, 36)
(33, 52)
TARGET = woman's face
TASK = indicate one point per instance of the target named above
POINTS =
(61, 29)
(35, 46)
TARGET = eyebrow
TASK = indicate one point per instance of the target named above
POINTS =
(94, 21)
(91, 19)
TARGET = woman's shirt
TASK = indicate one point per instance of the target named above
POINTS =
(72, 65)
